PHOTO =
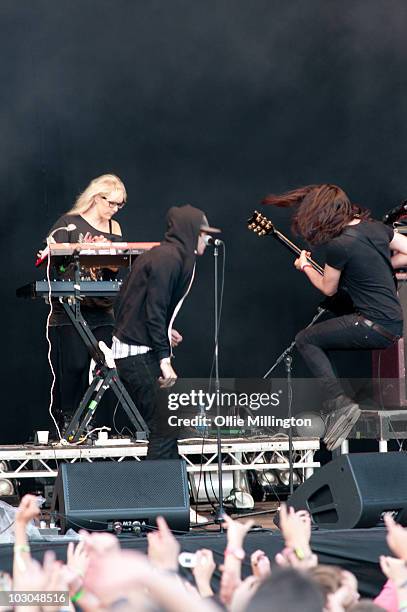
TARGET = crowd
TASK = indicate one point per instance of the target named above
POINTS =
(99, 575)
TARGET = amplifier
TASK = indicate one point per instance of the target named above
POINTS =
(389, 365)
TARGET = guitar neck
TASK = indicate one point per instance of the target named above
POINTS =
(296, 250)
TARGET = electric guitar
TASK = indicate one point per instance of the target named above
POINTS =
(338, 304)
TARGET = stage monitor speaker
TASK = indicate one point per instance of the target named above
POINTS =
(354, 491)
(111, 496)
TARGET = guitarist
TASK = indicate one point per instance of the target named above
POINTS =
(358, 259)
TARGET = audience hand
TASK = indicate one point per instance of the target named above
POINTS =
(296, 528)
(236, 530)
(230, 581)
(77, 564)
(243, 594)
(396, 537)
(163, 548)
(395, 570)
(99, 544)
(288, 558)
(27, 510)
(346, 595)
(128, 573)
(203, 571)
(56, 578)
(260, 564)
(31, 579)
(236, 533)
(111, 576)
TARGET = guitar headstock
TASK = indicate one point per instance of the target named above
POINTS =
(260, 225)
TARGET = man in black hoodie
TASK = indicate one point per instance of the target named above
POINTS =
(147, 306)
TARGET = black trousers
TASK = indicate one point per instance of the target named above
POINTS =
(343, 333)
(139, 374)
(71, 361)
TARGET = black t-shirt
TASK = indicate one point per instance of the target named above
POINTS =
(99, 310)
(362, 253)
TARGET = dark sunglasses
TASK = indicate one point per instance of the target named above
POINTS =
(113, 204)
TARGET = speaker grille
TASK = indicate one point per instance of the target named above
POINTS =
(112, 485)
(380, 477)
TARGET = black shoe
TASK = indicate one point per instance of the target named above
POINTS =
(339, 421)
(341, 401)
(332, 411)
(340, 435)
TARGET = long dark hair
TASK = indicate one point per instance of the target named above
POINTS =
(323, 211)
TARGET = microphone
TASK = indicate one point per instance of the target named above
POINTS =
(68, 228)
(50, 240)
(210, 240)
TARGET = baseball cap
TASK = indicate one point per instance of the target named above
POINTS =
(205, 227)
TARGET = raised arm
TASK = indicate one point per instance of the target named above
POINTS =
(328, 283)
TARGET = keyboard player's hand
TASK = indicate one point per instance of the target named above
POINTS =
(89, 238)
(100, 239)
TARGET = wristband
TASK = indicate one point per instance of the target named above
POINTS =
(306, 265)
(77, 596)
(21, 548)
(237, 552)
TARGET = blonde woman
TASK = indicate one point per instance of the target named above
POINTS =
(92, 215)
(93, 211)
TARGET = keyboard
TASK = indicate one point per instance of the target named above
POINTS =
(60, 288)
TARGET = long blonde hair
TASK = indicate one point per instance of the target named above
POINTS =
(105, 185)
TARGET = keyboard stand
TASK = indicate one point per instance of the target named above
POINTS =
(105, 376)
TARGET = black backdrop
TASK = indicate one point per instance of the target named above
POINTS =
(213, 103)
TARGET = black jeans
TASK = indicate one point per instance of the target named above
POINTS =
(346, 332)
(139, 374)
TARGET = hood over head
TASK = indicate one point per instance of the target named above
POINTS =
(183, 227)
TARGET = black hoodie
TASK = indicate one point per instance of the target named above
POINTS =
(158, 280)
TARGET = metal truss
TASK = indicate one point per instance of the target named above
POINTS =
(29, 461)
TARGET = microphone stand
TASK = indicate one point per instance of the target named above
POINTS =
(287, 357)
(288, 361)
(289, 348)
(220, 511)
